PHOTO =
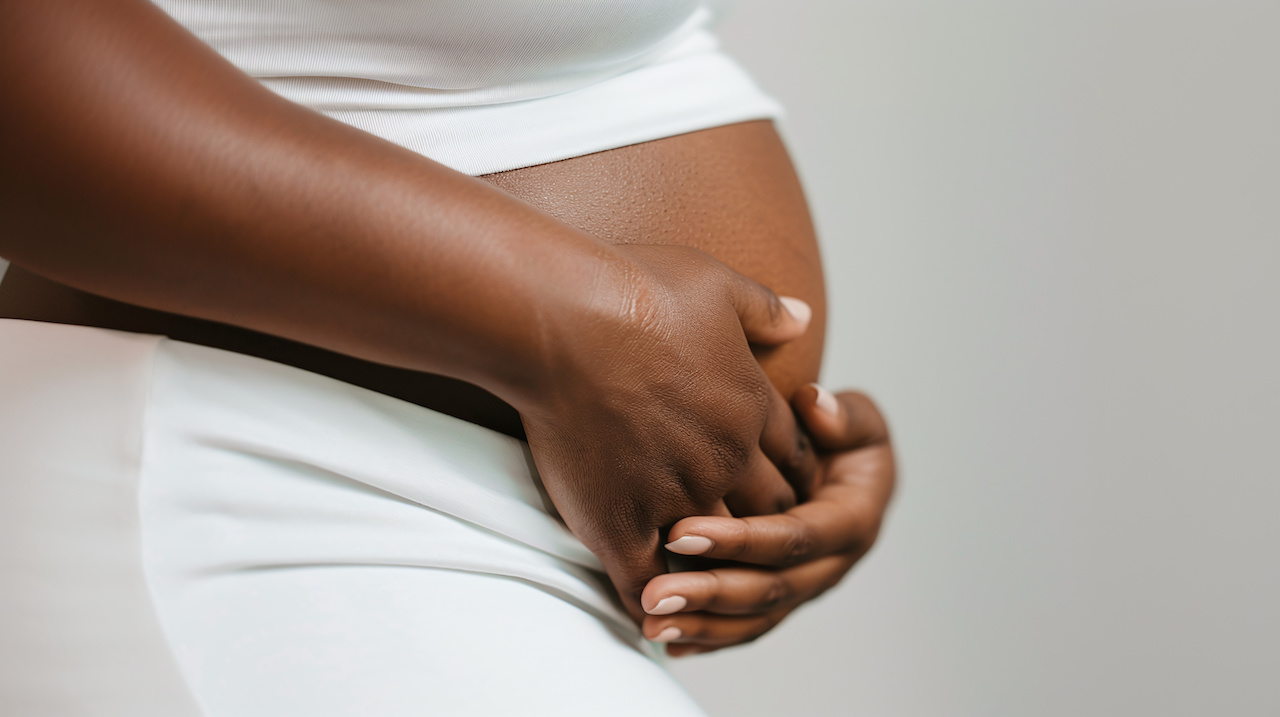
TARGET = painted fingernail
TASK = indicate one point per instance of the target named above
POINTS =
(826, 401)
(690, 545)
(798, 308)
(668, 605)
(668, 634)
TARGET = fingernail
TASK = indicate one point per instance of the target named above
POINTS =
(668, 634)
(668, 605)
(826, 401)
(691, 545)
(798, 308)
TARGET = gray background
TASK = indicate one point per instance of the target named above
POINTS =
(1053, 233)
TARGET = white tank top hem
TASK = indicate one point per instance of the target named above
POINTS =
(490, 86)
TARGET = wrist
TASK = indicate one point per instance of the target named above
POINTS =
(570, 316)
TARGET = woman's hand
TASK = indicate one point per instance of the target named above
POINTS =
(786, 559)
(654, 408)
(199, 192)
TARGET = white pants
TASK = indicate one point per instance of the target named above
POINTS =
(186, 531)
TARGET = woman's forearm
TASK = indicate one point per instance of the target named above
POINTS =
(141, 166)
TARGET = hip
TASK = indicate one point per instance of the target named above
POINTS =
(260, 539)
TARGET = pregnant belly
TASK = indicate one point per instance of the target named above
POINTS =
(729, 191)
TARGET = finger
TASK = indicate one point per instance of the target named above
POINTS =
(766, 317)
(743, 591)
(762, 490)
(841, 518)
(839, 422)
(788, 447)
(700, 628)
(864, 480)
(675, 649)
(631, 565)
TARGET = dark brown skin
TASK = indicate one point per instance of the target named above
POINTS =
(782, 561)
(590, 316)
(729, 191)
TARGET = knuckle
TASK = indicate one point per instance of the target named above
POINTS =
(690, 483)
(730, 452)
(697, 489)
(712, 587)
(797, 544)
(796, 549)
(734, 542)
(777, 593)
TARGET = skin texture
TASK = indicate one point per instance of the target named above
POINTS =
(598, 306)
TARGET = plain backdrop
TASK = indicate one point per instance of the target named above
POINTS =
(1052, 232)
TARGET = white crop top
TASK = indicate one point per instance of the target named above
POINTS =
(489, 85)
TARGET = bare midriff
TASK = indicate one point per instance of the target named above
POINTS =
(730, 191)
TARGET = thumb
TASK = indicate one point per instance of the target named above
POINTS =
(766, 317)
(845, 421)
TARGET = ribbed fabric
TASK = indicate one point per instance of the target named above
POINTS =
(487, 86)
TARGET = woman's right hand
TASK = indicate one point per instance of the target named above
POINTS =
(652, 407)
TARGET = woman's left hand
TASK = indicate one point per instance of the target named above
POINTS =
(783, 560)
